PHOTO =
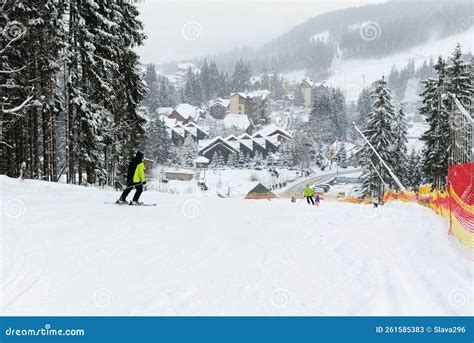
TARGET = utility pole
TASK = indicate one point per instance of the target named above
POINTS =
(394, 177)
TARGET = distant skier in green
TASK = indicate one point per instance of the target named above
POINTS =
(308, 194)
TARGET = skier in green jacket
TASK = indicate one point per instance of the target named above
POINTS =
(135, 179)
(308, 194)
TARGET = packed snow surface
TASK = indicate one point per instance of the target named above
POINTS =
(65, 252)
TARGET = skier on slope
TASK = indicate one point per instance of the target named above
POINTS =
(135, 179)
(317, 200)
(308, 194)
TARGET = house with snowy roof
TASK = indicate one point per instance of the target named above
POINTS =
(216, 146)
(273, 131)
(218, 108)
(165, 111)
(184, 113)
(255, 104)
(264, 142)
(178, 131)
(310, 89)
(239, 122)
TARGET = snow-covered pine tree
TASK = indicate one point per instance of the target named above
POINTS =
(414, 175)
(270, 160)
(224, 85)
(364, 107)
(459, 78)
(437, 143)
(400, 131)
(286, 154)
(339, 113)
(220, 163)
(213, 164)
(241, 77)
(128, 85)
(378, 130)
(342, 155)
(320, 127)
(215, 81)
(152, 99)
(232, 160)
(32, 41)
(159, 143)
(204, 79)
(90, 53)
(190, 151)
(460, 85)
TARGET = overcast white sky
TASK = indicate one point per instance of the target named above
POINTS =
(183, 29)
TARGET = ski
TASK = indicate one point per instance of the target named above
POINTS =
(151, 204)
(127, 204)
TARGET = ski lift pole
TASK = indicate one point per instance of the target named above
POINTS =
(394, 177)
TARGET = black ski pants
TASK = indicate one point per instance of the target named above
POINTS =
(310, 198)
(138, 192)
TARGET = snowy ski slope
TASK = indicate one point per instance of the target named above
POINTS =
(64, 252)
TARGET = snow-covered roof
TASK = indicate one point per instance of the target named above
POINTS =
(201, 159)
(213, 142)
(273, 140)
(248, 143)
(245, 136)
(170, 122)
(188, 111)
(204, 143)
(239, 121)
(221, 101)
(254, 94)
(270, 130)
(178, 129)
(164, 110)
(178, 170)
(308, 81)
(260, 141)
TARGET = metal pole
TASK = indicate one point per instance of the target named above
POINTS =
(394, 177)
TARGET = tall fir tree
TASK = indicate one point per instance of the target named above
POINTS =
(414, 176)
(400, 131)
(378, 130)
(459, 78)
(241, 76)
(364, 107)
(158, 146)
(435, 109)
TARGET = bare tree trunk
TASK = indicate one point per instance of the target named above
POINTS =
(53, 160)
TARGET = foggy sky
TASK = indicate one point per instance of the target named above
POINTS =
(179, 30)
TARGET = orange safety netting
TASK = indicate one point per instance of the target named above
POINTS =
(456, 205)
